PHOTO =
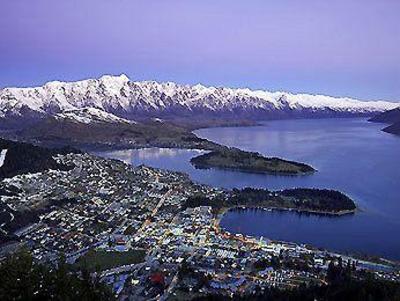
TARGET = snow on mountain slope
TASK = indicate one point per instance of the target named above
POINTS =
(91, 115)
(119, 96)
(3, 154)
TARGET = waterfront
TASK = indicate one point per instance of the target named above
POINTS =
(351, 155)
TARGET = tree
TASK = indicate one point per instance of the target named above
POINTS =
(21, 278)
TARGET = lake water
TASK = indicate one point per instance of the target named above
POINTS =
(351, 155)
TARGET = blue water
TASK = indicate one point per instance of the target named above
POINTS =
(351, 155)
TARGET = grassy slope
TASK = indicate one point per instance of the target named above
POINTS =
(108, 135)
(103, 260)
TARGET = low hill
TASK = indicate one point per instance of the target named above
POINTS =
(236, 159)
(319, 201)
(74, 131)
(393, 129)
(391, 117)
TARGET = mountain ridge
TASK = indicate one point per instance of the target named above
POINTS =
(127, 99)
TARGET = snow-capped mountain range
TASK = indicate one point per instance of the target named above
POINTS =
(118, 99)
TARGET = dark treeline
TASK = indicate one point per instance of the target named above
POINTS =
(325, 198)
(354, 290)
(21, 278)
(301, 199)
(26, 158)
(244, 197)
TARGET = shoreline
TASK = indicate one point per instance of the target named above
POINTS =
(362, 257)
(276, 173)
(224, 210)
(97, 150)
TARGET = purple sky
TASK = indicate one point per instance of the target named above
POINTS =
(341, 47)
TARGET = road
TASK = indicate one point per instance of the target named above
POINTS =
(155, 210)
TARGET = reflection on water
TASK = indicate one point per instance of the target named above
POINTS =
(358, 234)
(166, 158)
(142, 156)
(351, 155)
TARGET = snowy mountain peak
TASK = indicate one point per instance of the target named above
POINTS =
(114, 79)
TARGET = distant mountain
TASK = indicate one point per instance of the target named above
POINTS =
(120, 97)
(390, 117)
(19, 158)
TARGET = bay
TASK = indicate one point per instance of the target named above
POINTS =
(350, 154)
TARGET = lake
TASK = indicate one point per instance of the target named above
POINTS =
(351, 155)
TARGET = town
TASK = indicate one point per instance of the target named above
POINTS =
(130, 227)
